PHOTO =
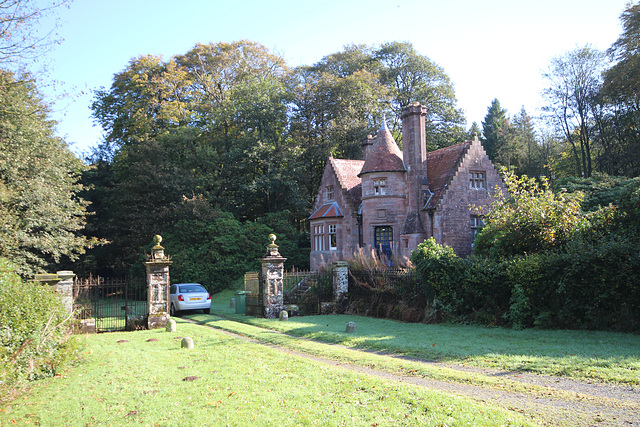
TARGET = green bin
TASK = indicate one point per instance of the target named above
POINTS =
(240, 301)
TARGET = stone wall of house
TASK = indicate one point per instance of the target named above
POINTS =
(383, 210)
(346, 226)
(452, 222)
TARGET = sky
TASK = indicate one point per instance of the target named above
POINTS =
(489, 49)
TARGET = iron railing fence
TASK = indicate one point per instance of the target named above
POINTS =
(109, 301)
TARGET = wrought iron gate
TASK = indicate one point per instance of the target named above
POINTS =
(115, 304)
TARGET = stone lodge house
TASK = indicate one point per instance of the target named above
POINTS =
(393, 200)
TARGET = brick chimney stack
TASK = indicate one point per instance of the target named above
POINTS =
(366, 145)
(414, 153)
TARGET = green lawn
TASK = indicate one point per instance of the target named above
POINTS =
(145, 378)
(603, 356)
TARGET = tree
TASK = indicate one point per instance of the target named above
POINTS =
(526, 156)
(413, 77)
(19, 29)
(41, 213)
(574, 80)
(494, 128)
(145, 100)
(474, 131)
(618, 117)
(331, 116)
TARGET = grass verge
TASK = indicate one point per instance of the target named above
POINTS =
(593, 355)
(144, 377)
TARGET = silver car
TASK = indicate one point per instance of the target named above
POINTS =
(189, 296)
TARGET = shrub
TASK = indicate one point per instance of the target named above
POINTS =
(441, 269)
(34, 328)
(532, 219)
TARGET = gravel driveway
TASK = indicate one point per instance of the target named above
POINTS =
(556, 400)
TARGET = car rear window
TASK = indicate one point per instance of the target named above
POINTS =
(191, 288)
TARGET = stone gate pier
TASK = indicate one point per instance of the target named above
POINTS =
(158, 282)
(272, 276)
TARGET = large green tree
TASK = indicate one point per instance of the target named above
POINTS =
(574, 79)
(618, 118)
(147, 99)
(41, 215)
(331, 116)
(414, 77)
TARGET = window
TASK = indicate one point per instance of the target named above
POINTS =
(379, 186)
(333, 241)
(318, 237)
(477, 180)
(476, 225)
(329, 192)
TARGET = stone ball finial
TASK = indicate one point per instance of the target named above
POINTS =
(272, 248)
(157, 239)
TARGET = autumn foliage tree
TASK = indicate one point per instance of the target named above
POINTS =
(531, 218)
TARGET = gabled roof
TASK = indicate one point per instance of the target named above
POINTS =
(347, 173)
(384, 155)
(328, 210)
(442, 165)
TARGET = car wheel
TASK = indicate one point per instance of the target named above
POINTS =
(206, 310)
(172, 310)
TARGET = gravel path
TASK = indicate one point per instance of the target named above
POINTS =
(562, 401)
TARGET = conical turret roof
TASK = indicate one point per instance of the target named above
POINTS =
(384, 155)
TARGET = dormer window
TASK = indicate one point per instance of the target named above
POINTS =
(379, 186)
(329, 192)
(477, 180)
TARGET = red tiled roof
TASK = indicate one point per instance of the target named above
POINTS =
(328, 210)
(441, 166)
(384, 155)
(347, 172)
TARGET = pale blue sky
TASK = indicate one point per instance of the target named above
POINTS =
(490, 49)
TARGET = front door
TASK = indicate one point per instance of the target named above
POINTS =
(383, 241)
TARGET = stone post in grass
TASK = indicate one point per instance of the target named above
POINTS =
(65, 288)
(158, 283)
(62, 282)
(340, 280)
(271, 277)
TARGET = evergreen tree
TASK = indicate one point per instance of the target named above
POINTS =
(524, 148)
(41, 214)
(494, 128)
